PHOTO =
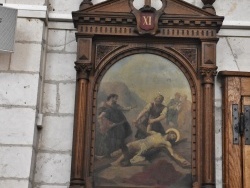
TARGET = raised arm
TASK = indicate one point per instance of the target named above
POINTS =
(143, 112)
(125, 109)
(161, 117)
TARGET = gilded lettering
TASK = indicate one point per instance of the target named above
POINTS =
(147, 20)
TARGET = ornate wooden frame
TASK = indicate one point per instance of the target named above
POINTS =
(109, 31)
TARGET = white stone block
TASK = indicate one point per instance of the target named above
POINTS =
(29, 30)
(50, 186)
(17, 125)
(18, 89)
(233, 10)
(27, 57)
(64, 6)
(157, 4)
(197, 3)
(4, 61)
(67, 98)
(190, 1)
(57, 134)
(53, 168)
(15, 162)
(218, 160)
(225, 59)
(71, 44)
(241, 50)
(28, 2)
(218, 90)
(60, 67)
(56, 40)
(49, 98)
(97, 1)
(14, 183)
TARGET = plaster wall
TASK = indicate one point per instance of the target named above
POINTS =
(39, 78)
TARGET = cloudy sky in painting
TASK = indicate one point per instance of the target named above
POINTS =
(147, 75)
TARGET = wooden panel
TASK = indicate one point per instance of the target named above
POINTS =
(245, 86)
(236, 165)
(246, 148)
(232, 153)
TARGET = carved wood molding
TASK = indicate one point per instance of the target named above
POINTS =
(126, 21)
(190, 54)
(164, 22)
(163, 32)
(103, 49)
(108, 32)
(197, 23)
(208, 74)
(83, 70)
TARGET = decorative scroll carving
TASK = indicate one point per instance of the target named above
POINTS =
(83, 70)
(191, 55)
(102, 50)
(208, 74)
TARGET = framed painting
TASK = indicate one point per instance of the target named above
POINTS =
(143, 125)
(144, 95)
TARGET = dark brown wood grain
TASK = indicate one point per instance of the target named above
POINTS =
(185, 35)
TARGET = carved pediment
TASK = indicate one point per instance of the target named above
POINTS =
(111, 6)
(182, 8)
(175, 18)
(174, 7)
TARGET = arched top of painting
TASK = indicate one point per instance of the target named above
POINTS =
(145, 75)
(166, 56)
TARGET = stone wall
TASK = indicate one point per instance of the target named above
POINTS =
(21, 75)
(39, 78)
(55, 138)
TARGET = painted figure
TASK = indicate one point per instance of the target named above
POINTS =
(152, 114)
(185, 116)
(173, 110)
(113, 127)
(139, 148)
